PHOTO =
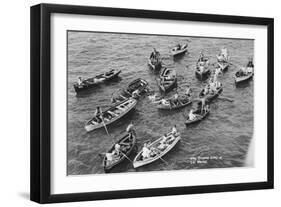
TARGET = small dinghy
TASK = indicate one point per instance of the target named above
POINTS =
(127, 143)
(211, 94)
(179, 49)
(245, 73)
(111, 115)
(135, 89)
(202, 69)
(168, 79)
(91, 82)
(198, 115)
(158, 149)
(171, 104)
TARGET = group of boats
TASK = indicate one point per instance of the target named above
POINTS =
(125, 100)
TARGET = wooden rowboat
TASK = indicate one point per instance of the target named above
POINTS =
(111, 115)
(198, 116)
(140, 85)
(94, 81)
(241, 78)
(168, 79)
(158, 148)
(179, 51)
(202, 71)
(172, 104)
(127, 144)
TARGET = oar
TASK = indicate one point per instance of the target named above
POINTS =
(126, 157)
(225, 98)
(162, 158)
(168, 66)
(105, 127)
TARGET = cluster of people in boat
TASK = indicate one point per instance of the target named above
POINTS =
(212, 86)
(100, 79)
(149, 151)
(120, 150)
(223, 56)
(246, 70)
(175, 100)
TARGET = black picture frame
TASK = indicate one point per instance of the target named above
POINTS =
(41, 98)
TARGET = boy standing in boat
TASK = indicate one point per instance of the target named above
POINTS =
(130, 129)
(80, 81)
(98, 114)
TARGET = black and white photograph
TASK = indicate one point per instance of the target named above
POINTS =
(145, 102)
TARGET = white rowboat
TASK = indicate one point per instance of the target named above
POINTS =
(159, 149)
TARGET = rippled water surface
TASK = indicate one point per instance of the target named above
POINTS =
(219, 141)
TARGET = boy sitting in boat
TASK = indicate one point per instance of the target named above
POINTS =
(191, 115)
(146, 152)
(114, 155)
(163, 142)
(201, 104)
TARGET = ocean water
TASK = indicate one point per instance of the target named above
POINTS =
(220, 141)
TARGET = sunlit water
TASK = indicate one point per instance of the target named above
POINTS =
(221, 140)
